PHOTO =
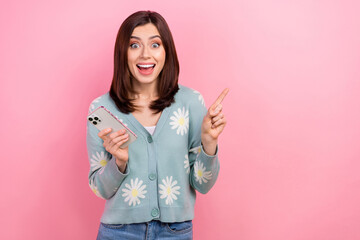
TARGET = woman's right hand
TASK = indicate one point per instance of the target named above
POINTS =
(112, 143)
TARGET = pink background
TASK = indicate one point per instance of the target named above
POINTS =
(289, 154)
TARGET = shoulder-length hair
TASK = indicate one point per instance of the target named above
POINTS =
(167, 85)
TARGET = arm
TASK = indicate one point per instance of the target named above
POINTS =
(104, 175)
(204, 168)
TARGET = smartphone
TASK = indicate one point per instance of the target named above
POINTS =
(102, 118)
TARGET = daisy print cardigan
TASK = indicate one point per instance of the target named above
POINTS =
(164, 170)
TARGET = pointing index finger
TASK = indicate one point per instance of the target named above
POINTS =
(221, 97)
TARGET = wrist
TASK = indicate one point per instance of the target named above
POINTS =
(209, 147)
(121, 165)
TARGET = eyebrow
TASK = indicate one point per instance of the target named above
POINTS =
(155, 36)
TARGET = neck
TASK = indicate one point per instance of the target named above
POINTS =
(145, 91)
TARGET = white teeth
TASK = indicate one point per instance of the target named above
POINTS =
(146, 66)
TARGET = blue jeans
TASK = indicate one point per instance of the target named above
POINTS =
(146, 231)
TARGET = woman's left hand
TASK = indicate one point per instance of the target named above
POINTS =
(213, 124)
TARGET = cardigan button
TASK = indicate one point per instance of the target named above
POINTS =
(155, 212)
(149, 139)
(152, 176)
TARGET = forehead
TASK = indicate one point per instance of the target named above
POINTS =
(145, 31)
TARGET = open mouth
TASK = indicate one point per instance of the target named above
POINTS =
(145, 66)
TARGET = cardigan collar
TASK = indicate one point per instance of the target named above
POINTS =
(159, 125)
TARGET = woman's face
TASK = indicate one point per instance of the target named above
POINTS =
(146, 54)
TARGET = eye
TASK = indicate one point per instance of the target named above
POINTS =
(134, 45)
(156, 45)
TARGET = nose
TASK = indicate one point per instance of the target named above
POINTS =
(145, 52)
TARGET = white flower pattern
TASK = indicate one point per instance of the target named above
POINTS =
(201, 175)
(196, 150)
(92, 105)
(99, 161)
(134, 191)
(95, 189)
(187, 164)
(180, 121)
(200, 97)
(169, 190)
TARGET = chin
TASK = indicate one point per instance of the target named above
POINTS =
(144, 81)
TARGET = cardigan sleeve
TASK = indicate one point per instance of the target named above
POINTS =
(204, 169)
(104, 175)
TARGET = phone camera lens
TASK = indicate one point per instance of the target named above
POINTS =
(94, 122)
(90, 119)
(96, 118)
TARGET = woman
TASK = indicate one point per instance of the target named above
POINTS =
(150, 186)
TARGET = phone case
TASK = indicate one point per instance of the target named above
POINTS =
(102, 118)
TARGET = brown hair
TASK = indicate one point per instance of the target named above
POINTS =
(121, 85)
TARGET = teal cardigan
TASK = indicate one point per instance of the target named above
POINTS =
(164, 169)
